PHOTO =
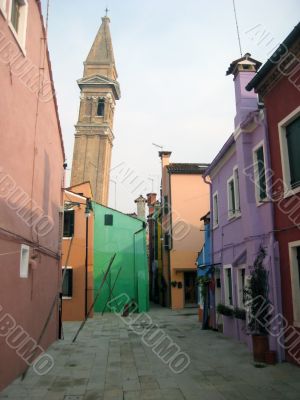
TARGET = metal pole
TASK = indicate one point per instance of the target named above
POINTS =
(86, 264)
(96, 297)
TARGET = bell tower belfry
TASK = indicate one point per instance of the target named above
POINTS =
(94, 129)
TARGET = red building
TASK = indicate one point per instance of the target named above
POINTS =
(31, 196)
(278, 84)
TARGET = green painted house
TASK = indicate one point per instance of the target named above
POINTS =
(125, 236)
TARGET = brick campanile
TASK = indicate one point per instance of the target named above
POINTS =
(94, 129)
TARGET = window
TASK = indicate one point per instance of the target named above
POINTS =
(233, 194)
(294, 253)
(18, 11)
(166, 205)
(236, 189)
(3, 7)
(215, 210)
(108, 219)
(231, 198)
(100, 108)
(260, 174)
(167, 242)
(24, 261)
(228, 286)
(67, 285)
(15, 14)
(289, 137)
(69, 223)
(241, 283)
(293, 144)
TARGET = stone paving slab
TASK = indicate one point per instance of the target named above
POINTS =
(110, 362)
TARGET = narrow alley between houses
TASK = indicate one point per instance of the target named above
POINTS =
(110, 362)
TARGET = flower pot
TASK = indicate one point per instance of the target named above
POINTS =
(260, 347)
(200, 314)
(271, 357)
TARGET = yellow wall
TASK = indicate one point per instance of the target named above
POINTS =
(190, 201)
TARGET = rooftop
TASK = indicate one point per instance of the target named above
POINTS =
(187, 168)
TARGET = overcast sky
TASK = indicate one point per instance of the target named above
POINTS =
(171, 58)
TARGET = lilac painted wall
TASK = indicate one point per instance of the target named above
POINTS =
(236, 241)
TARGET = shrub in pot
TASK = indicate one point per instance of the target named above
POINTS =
(258, 307)
(239, 313)
(224, 310)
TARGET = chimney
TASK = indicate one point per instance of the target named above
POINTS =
(141, 207)
(151, 200)
(243, 71)
(165, 157)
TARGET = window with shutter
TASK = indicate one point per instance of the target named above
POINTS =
(108, 219)
(260, 174)
(69, 218)
(293, 144)
(67, 286)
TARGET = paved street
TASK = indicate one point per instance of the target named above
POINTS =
(109, 362)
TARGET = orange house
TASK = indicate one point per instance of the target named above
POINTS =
(184, 199)
(78, 253)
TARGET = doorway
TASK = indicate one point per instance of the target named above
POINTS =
(190, 289)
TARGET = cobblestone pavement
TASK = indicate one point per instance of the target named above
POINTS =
(109, 362)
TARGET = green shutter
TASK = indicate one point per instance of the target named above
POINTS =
(261, 173)
(69, 223)
(293, 143)
(166, 205)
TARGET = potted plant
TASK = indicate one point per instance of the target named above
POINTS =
(203, 282)
(239, 313)
(224, 310)
(174, 283)
(258, 307)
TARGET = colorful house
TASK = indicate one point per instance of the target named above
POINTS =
(184, 197)
(241, 213)
(278, 84)
(31, 190)
(78, 253)
(124, 236)
(152, 248)
(204, 265)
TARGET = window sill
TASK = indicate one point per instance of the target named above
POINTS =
(232, 217)
(17, 38)
(291, 192)
(67, 237)
(296, 324)
(67, 298)
(215, 226)
(262, 201)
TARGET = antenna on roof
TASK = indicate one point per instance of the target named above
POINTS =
(237, 28)
(157, 145)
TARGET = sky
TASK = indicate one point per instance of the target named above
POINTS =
(171, 57)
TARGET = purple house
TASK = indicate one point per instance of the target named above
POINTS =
(241, 214)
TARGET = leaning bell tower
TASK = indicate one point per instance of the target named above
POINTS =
(94, 129)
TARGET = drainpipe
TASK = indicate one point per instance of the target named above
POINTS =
(276, 278)
(212, 261)
(134, 266)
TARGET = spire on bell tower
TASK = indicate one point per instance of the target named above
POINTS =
(101, 56)
(94, 130)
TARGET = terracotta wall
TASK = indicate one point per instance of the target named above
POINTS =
(190, 201)
(31, 167)
(74, 308)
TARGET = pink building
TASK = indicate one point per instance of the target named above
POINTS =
(31, 180)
